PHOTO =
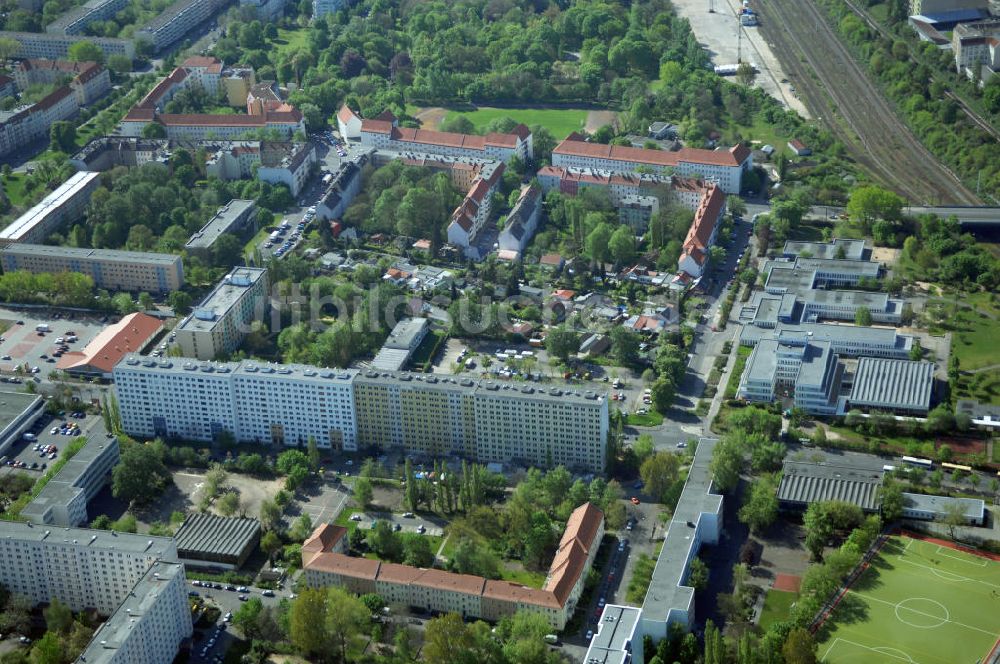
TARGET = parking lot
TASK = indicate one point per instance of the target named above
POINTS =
(25, 451)
(405, 524)
(24, 346)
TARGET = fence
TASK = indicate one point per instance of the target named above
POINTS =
(827, 610)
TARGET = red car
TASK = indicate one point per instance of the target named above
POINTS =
(635, 501)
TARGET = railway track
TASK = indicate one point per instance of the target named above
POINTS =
(842, 97)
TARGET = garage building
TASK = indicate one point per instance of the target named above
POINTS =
(207, 540)
(803, 483)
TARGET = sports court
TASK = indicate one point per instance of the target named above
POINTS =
(921, 601)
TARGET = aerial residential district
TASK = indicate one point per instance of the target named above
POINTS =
(500, 331)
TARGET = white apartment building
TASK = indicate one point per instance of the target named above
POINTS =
(180, 18)
(66, 203)
(81, 568)
(113, 269)
(90, 80)
(267, 10)
(220, 323)
(473, 213)
(321, 8)
(237, 217)
(342, 409)
(348, 122)
(55, 46)
(75, 21)
(63, 501)
(21, 126)
(522, 221)
(150, 625)
(725, 167)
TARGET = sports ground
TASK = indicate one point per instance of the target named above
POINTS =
(920, 602)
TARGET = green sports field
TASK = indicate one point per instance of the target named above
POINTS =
(918, 603)
(560, 121)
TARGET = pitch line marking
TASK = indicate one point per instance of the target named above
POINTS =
(953, 622)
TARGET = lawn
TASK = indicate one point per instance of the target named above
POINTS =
(650, 419)
(777, 607)
(290, 40)
(973, 336)
(560, 121)
(920, 601)
(13, 187)
(733, 384)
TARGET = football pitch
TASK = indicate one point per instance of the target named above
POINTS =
(919, 602)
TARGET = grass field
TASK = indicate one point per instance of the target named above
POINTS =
(13, 186)
(777, 607)
(918, 603)
(560, 121)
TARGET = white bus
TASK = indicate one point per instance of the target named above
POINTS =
(920, 463)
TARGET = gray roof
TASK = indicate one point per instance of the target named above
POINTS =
(974, 508)
(837, 335)
(405, 332)
(71, 478)
(762, 361)
(148, 257)
(874, 301)
(815, 359)
(612, 644)
(666, 591)
(110, 636)
(51, 203)
(94, 539)
(225, 219)
(12, 404)
(208, 534)
(523, 211)
(804, 482)
(853, 249)
(223, 297)
(391, 359)
(245, 369)
(856, 268)
(884, 383)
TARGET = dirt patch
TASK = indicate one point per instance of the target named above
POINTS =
(787, 582)
(597, 119)
(185, 493)
(431, 118)
(886, 255)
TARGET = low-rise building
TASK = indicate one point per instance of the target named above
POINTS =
(845, 340)
(809, 371)
(924, 507)
(18, 412)
(237, 217)
(67, 203)
(807, 482)
(112, 269)
(467, 595)
(63, 501)
(208, 540)
(404, 339)
(132, 334)
(219, 324)
(900, 386)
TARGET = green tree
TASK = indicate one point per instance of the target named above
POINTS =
(418, 551)
(247, 615)
(624, 345)
(363, 492)
(154, 130)
(180, 302)
(58, 617)
(119, 63)
(48, 650)
(954, 516)
(270, 515)
(228, 504)
(726, 464)
(598, 243)
(385, 542)
(659, 472)
(307, 629)
(8, 49)
(799, 647)
(270, 544)
(141, 474)
(663, 393)
(892, 500)
(863, 317)
(870, 203)
(761, 508)
(622, 245)
(301, 529)
(85, 51)
(62, 136)
(698, 574)
(562, 342)
(347, 619)
(643, 447)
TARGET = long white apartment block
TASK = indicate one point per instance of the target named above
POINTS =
(286, 405)
(64, 204)
(79, 567)
(63, 501)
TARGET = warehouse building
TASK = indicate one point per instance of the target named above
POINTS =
(803, 483)
(63, 501)
(900, 386)
(112, 269)
(207, 540)
(67, 203)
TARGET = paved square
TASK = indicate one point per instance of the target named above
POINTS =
(920, 602)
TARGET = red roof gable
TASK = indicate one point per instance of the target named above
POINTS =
(129, 335)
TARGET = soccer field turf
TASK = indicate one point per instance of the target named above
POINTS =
(919, 603)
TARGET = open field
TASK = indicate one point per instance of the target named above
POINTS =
(832, 83)
(920, 602)
(560, 121)
(777, 606)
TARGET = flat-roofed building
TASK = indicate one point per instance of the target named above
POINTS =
(837, 249)
(405, 337)
(618, 639)
(806, 482)
(55, 46)
(75, 21)
(220, 323)
(937, 508)
(150, 625)
(132, 334)
(82, 568)
(208, 540)
(845, 340)
(900, 386)
(66, 203)
(18, 411)
(810, 372)
(237, 217)
(113, 269)
(63, 501)
(174, 22)
(697, 520)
